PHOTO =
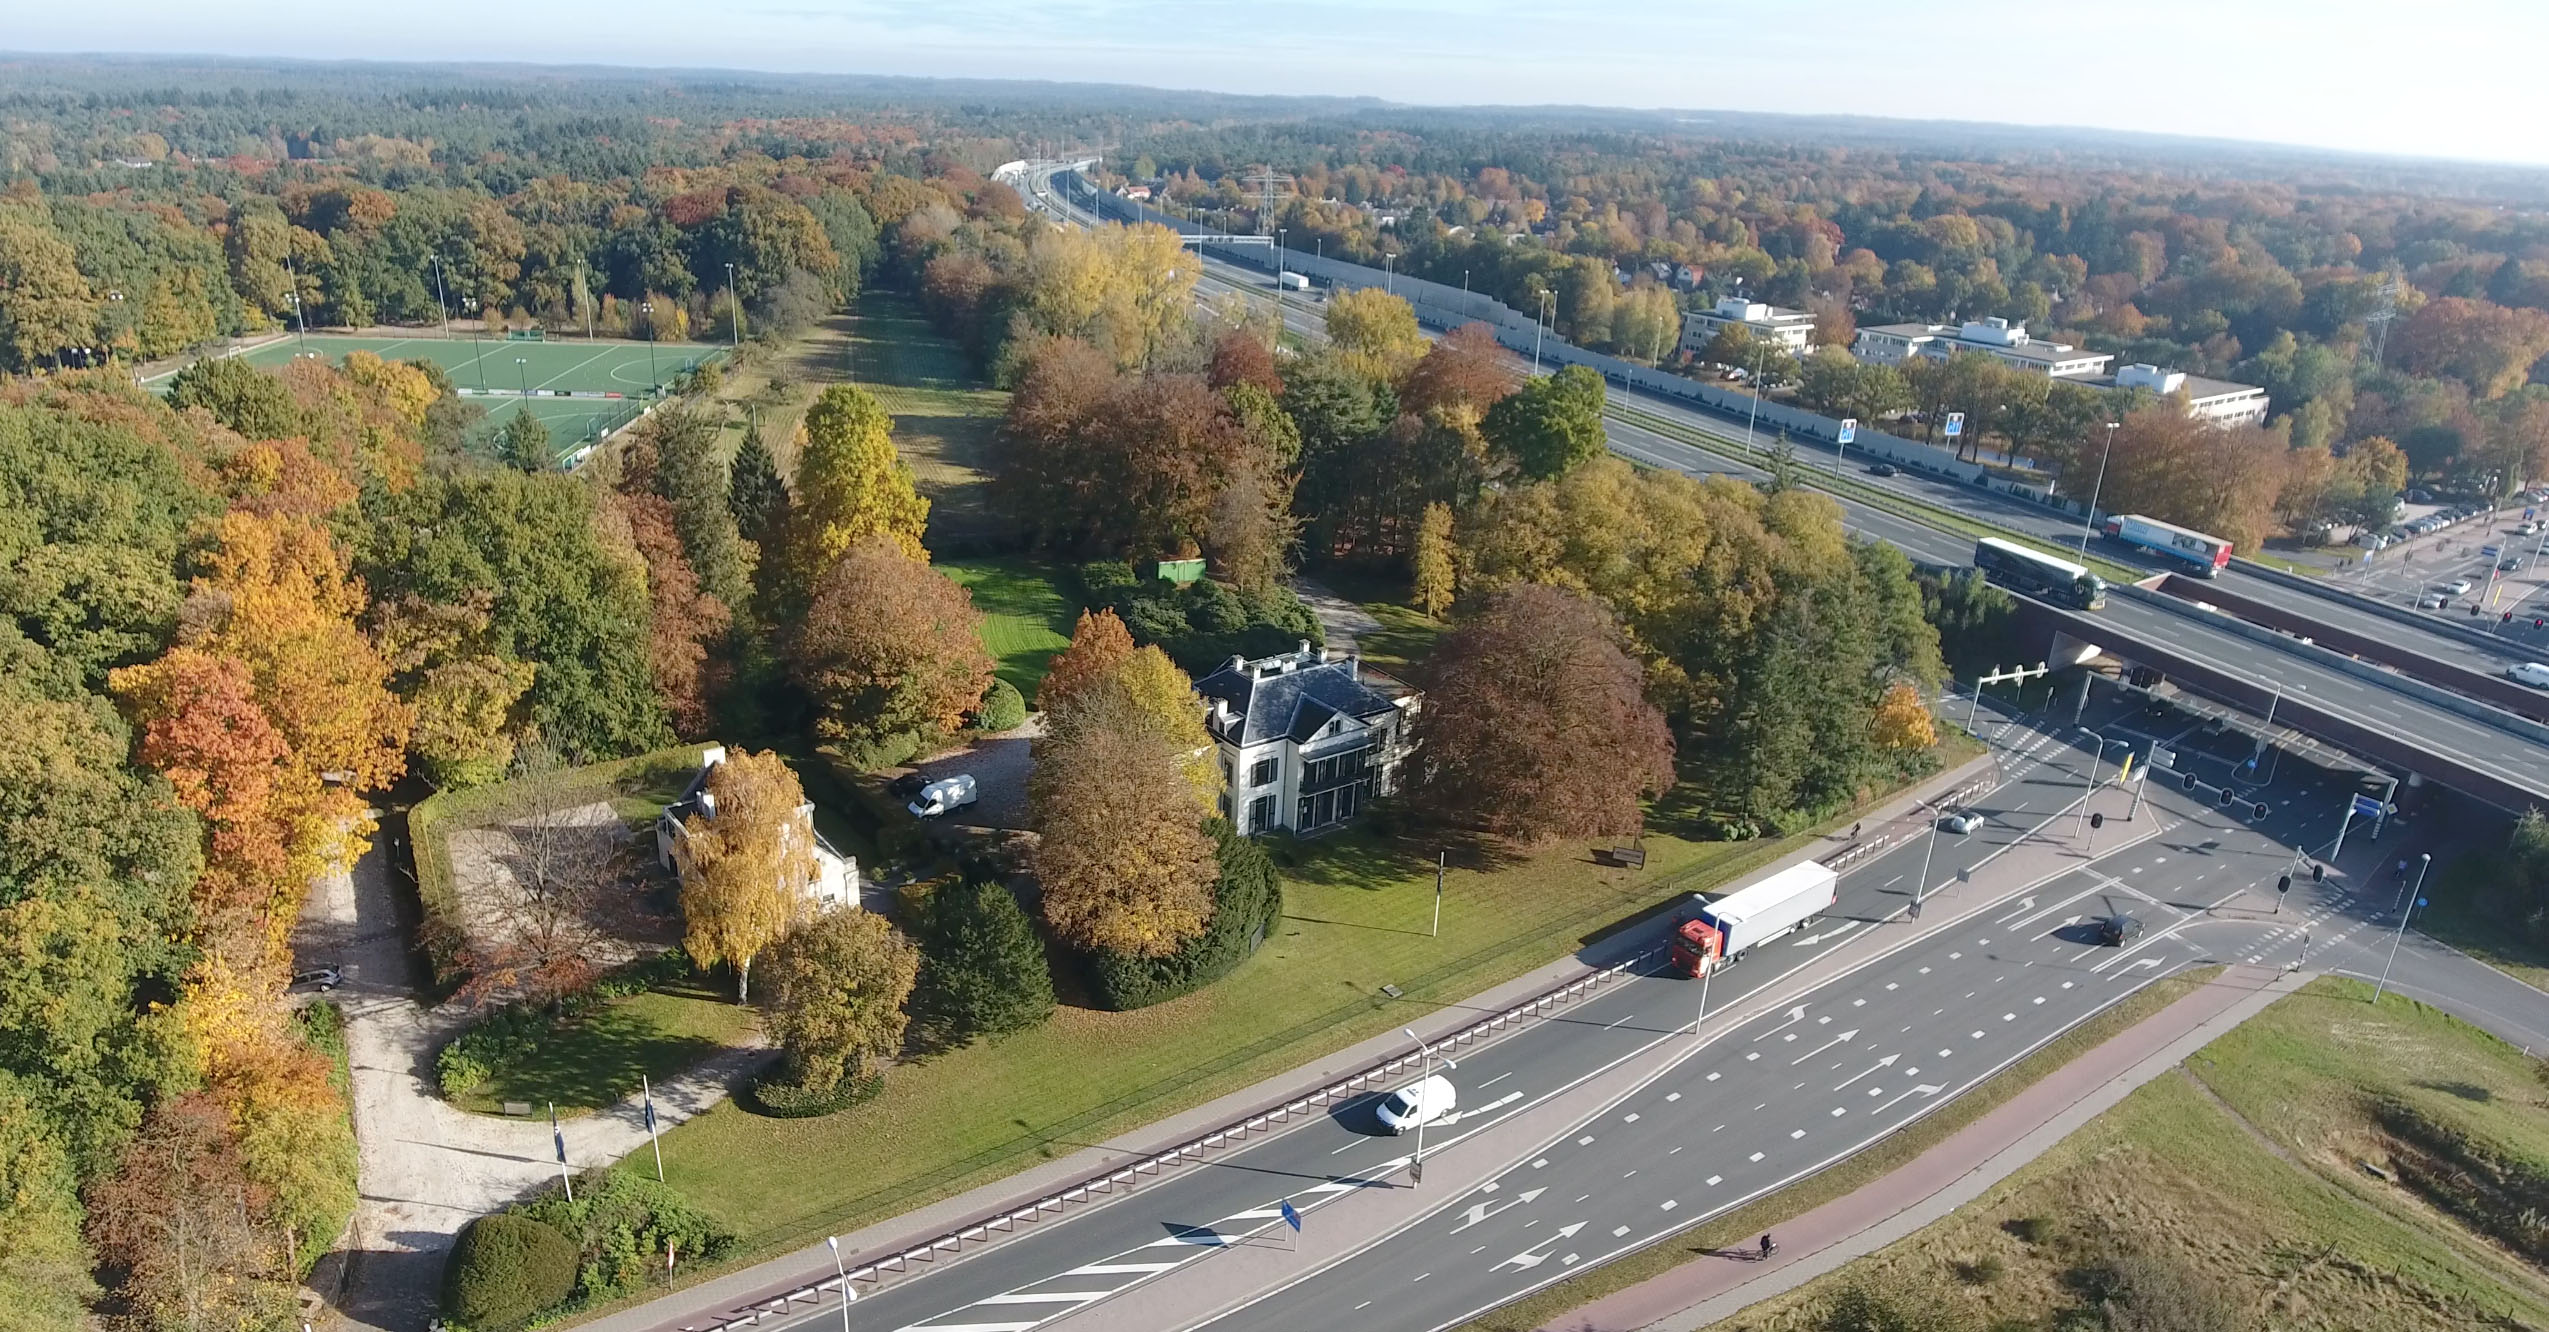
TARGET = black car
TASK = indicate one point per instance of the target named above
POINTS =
(908, 785)
(1882, 469)
(2118, 930)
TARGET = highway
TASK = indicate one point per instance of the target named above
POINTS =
(1780, 1098)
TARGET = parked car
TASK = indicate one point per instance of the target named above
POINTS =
(2458, 587)
(2118, 930)
(1883, 469)
(1960, 822)
(909, 784)
(943, 796)
(2509, 564)
(321, 979)
(1420, 1102)
(2531, 673)
(2433, 601)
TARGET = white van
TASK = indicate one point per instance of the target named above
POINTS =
(943, 796)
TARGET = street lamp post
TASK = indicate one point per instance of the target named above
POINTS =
(1920, 886)
(2414, 900)
(654, 381)
(1757, 348)
(1389, 274)
(1424, 1112)
(522, 372)
(1541, 326)
(477, 349)
(442, 302)
(848, 1296)
(734, 312)
(2096, 756)
(2089, 518)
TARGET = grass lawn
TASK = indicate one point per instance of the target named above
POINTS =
(1027, 610)
(1406, 636)
(2459, 917)
(596, 1058)
(2248, 1167)
(1355, 920)
(945, 416)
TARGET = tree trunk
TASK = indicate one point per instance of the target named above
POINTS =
(743, 981)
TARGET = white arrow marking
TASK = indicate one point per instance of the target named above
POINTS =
(1851, 1034)
(1526, 1260)
(1820, 937)
(1925, 1089)
(1481, 1211)
(2142, 962)
(1795, 1016)
(2025, 905)
(1476, 1110)
(1886, 1062)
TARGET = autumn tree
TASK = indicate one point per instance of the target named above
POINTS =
(1903, 720)
(2484, 345)
(890, 645)
(1122, 853)
(1550, 425)
(746, 870)
(691, 474)
(238, 395)
(1433, 583)
(850, 485)
(523, 442)
(1241, 356)
(45, 302)
(686, 619)
(836, 988)
(1466, 370)
(1535, 727)
(183, 1222)
(1099, 645)
(1374, 333)
(559, 873)
(2174, 466)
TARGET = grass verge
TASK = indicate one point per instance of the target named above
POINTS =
(2248, 1168)
(596, 1058)
(945, 417)
(1766, 1214)
(2461, 916)
(1355, 919)
(1028, 611)
(1875, 497)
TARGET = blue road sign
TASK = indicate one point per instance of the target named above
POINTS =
(1955, 424)
(1849, 429)
(1293, 1219)
(2367, 806)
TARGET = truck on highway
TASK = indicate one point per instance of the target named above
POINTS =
(2201, 555)
(1721, 931)
(2037, 574)
(1291, 281)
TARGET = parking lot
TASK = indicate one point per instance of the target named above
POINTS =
(2476, 569)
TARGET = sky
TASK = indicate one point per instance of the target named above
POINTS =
(2439, 78)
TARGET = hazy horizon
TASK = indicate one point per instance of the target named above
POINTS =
(2342, 75)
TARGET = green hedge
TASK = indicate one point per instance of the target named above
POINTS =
(619, 1223)
(780, 1098)
(1203, 623)
(1002, 708)
(1247, 901)
(506, 1271)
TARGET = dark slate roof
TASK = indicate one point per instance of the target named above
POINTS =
(1295, 704)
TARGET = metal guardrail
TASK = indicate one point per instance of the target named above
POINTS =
(1105, 1186)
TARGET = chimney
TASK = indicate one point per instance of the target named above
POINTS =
(1353, 666)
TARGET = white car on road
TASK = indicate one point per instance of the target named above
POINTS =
(2531, 673)
(1420, 1102)
(2458, 587)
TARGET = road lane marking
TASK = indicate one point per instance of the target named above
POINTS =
(1047, 1297)
(1121, 1269)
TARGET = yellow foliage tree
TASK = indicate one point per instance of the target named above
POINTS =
(850, 485)
(1434, 576)
(1165, 699)
(1375, 332)
(1902, 722)
(400, 387)
(1099, 645)
(745, 871)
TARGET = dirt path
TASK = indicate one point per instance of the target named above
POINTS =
(427, 1168)
(1344, 621)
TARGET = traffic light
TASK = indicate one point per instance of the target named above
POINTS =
(2259, 809)
(2318, 873)
(2227, 796)
(2097, 821)
(2189, 780)
(2284, 884)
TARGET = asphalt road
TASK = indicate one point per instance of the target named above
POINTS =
(1794, 1091)
(1053, 1271)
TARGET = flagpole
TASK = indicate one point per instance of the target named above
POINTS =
(651, 1139)
(558, 1135)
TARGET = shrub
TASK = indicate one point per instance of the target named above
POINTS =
(1102, 580)
(780, 1098)
(982, 970)
(886, 751)
(1001, 709)
(1247, 901)
(619, 1223)
(507, 1270)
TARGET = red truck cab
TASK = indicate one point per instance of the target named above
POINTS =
(1697, 946)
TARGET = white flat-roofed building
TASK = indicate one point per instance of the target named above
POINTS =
(2218, 401)
(1892, 344)
(1788, 330)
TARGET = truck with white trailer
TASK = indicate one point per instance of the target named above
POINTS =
(1291, 281)
(1721, 931)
